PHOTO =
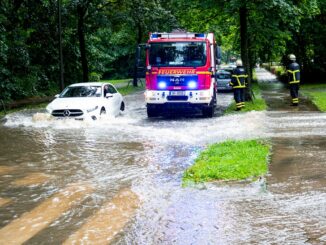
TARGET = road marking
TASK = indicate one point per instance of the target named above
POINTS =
(102, 227)
(4, 201)
(32, 179)
(6, 169)
(30, 223)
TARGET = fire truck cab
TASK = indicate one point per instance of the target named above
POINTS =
(180, 73)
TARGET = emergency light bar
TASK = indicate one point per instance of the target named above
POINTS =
(177, 35)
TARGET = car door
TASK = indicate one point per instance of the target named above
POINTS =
(113, 100)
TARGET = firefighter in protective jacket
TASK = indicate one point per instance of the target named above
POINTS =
(238, 83)
(293, 72)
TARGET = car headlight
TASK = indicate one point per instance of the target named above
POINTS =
(49, 109)
(92, 109)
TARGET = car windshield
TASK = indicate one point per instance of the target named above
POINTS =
(178, 54)
(81, 91)
(223, 76)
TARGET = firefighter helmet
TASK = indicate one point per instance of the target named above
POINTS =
(238, 63)
(292, 57)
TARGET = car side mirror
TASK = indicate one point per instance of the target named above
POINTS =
(108, 95)
(57, 96)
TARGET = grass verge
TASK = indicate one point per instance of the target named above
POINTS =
(130, 89)
(258, 104)
(317, 93)
(229, 160)
(116, 81)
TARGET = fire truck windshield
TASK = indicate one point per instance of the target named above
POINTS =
(181, 54)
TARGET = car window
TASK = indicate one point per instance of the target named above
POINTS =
(109, 89)
(223, 76)
(112, 90)
(81, 91)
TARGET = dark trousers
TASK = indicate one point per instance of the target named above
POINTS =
(294, 92)
(239, 97)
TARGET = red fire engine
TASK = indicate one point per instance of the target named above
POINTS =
(180, 73)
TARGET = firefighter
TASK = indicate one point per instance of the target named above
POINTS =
(238, 83)
(293, 72)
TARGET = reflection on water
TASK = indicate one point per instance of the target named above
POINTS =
(41, 157)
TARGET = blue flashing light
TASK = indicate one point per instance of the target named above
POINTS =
(199, 35)
(192, 84)
(155, 35)
(162, 85)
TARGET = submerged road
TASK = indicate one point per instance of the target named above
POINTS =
(118, 180)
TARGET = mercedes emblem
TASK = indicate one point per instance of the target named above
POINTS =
(66, 113)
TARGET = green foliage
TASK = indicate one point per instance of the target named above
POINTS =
(94, 77)
(29, 63)
(230, 160)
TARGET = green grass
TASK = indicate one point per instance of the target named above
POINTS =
(230, 160)
(116, 81)
(317, 93)
(258, 103)
(130, 89)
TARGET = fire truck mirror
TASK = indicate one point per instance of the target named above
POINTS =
(218, 55)
(218, 61)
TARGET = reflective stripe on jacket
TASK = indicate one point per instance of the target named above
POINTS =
(294, 73)
(239, 78)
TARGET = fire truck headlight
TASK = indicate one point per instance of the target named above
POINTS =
(162, 85)
(205, 93)
(192, 85)
(149, 94)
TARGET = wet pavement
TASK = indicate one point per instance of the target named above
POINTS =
(118, 180)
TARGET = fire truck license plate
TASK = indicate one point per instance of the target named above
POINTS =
(178, 93)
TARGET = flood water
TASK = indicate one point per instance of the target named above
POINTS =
(118, 180)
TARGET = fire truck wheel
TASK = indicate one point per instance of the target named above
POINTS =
(208, 111)
(152, 112)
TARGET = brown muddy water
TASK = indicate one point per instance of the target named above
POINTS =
(118, 180)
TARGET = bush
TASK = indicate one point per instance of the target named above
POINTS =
(94, 77)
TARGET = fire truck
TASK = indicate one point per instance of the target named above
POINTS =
(180, 73)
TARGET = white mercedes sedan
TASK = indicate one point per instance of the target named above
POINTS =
(87, 100)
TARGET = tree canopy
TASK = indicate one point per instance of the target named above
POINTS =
(100, 36)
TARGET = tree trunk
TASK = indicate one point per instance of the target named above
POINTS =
(243, 11)
(82, 46)
(62, 83)
(137, 54)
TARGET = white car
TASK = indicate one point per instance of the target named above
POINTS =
(87, 100)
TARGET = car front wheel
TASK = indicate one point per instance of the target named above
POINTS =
(122, 106)
(103, 111)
